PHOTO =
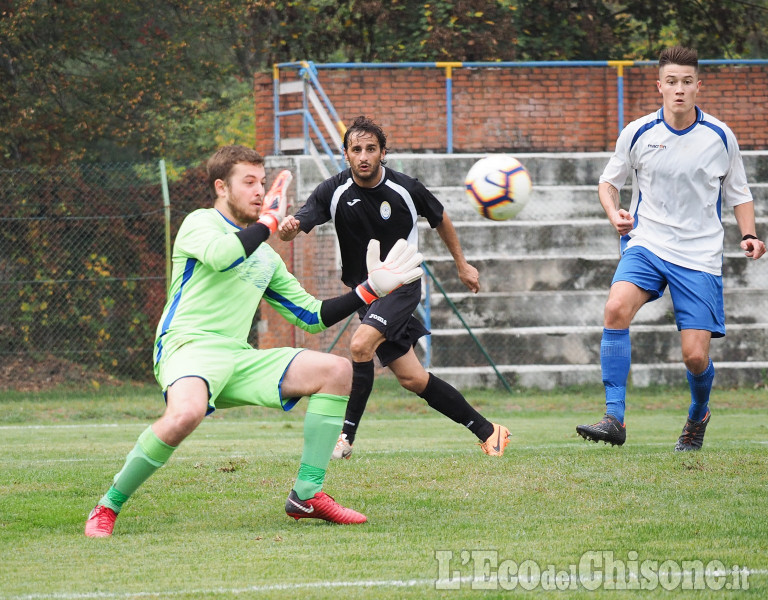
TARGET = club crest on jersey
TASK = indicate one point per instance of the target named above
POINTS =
(385, 210)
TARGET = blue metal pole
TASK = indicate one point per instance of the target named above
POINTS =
(448, 66)
(276, 108)
(620, 98)
(620, 64)
(312, 74)
(304, 122)
(449, 112)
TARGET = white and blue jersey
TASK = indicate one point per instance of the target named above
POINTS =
(681, 180)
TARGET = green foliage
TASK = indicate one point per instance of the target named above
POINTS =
(570, 30)
(91, 79)
(725, 29)
(83, 262)
(481, 30)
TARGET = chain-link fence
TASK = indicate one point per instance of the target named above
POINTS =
(82, 262)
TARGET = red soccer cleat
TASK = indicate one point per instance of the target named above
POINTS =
(100, 522)
(321, 506)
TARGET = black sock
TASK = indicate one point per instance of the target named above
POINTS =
(446, 399)
(362, 385)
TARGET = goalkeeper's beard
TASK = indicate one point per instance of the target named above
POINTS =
(239, 216)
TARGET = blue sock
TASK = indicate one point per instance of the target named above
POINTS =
(615, 359)
(701, 385)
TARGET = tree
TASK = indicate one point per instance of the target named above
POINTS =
(723, 29)
(101, 79)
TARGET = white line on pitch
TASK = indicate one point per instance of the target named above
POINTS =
(80, 426)
(395, 583)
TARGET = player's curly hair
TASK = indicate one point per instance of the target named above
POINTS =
(222, 162)
(363, 124)
(679, 55)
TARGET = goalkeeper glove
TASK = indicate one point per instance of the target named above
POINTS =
(401, 266)
(275, 203)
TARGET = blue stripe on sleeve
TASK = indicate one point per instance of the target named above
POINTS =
(718, 131)
(234, 264)
(302, 314)
(642, 130)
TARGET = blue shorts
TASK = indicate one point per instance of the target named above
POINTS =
(697, 297)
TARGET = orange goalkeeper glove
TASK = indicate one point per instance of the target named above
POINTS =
(275, 203)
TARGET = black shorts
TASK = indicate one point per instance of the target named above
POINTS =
(392, 315)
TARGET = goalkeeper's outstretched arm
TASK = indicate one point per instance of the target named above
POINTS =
(401, 266)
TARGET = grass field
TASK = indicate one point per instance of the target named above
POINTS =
(445, 521)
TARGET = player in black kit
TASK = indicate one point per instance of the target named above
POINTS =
(368, 201)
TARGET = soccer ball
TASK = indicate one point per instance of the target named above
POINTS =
(498, 186)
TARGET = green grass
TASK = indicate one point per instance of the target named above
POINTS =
(211, 524)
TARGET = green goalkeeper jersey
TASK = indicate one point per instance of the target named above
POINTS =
(215, 289)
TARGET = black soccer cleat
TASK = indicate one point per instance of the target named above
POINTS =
(692, 437)
(608, 430)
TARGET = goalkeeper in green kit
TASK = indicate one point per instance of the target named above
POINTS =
(222, 268)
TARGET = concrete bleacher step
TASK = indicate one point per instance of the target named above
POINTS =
(552, 376)
(560, 202)
(572, 308)
(581, 344)
(517, 273)
(573, 237)
(567, 168)
(564, 185)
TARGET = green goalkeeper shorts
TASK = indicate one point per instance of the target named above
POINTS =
(236, 373)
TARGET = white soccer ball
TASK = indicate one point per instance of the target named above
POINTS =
(498, 186)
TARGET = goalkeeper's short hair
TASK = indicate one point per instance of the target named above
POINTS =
(222, 162)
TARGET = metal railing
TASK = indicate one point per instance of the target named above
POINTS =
(313, 96)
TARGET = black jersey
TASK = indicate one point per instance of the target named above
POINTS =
(386, 212)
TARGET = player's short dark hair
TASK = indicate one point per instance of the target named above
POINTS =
(363, 124)
(222, 162)
(679, 55)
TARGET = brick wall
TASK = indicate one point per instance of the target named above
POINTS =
(515, 109)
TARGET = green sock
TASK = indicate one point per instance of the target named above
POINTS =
(148, 455)
(322, 425)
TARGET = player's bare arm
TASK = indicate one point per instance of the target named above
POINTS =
(468, 274)
(622, 220)
(753, 247)
(288, 228)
